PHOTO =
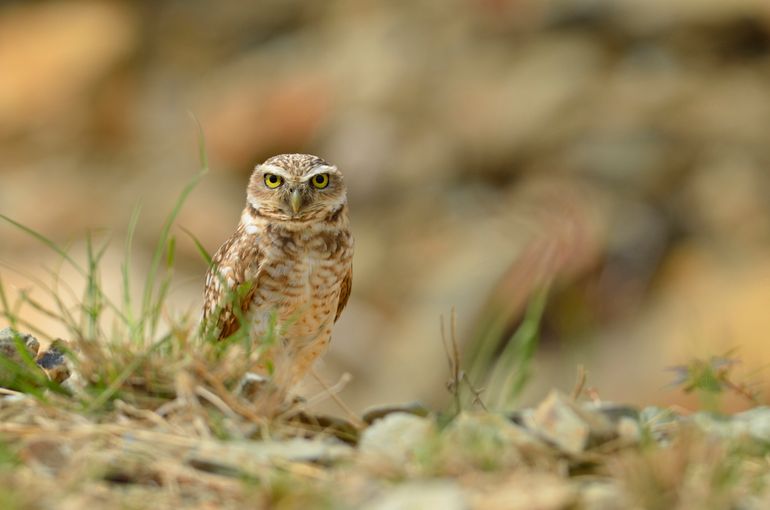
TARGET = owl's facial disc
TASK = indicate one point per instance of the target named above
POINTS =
(296, 194)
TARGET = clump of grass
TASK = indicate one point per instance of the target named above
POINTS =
(503, 373)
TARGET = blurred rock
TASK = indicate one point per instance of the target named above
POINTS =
(18, 352)
(527, 491)
(420, 496)
(54, 54)
(396, 437)
(571, 427)
(754, 423)
(378, 412)
(9, 347)
(248, 118)
(246, 458)
(51, 360)
(54, 361)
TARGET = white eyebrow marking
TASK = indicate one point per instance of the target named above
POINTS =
(321, 169)
(273, 169)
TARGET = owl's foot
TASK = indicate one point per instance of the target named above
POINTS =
(266, 393)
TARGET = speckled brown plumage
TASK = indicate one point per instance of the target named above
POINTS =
(289, 260)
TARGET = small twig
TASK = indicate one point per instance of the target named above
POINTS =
(332, 390)
(580, 383)
(224, 394)
(355, 420)
(217, 402)
(455, 348)
(458, 375)
(742, 390)
(453, 358)
(476, 392)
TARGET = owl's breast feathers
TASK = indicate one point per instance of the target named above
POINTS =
(301, 275)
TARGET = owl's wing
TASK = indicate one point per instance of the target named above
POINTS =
(231, 283)
(347, 284)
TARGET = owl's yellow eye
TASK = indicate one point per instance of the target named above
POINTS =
(320, 181)
(272, 181)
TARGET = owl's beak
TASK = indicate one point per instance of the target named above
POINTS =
(295, 200)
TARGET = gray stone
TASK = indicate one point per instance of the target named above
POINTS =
(570, 427)
(396, 437)
(8, 344)
(612, 411)
(14, 369)
(754, 423)
(249, 457)
(757, 422)
(372, 414)
(52, 361)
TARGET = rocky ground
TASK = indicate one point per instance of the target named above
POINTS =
(204, 448)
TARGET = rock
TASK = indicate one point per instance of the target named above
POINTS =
(396, 437)
(59, 52)
(757, 422)
(421, 495)
(8, 346)
(249, 457)
(15, 372)
(373, 414)
(614, 412)
(572, 428)
(52, 361)
(625, 419)
(754, 423)
(629, 430)
(525, 491)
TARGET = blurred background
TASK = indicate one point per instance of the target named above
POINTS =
(618, 148)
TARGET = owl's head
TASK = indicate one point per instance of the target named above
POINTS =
(297, 188)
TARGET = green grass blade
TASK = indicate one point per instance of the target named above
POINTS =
(161, 247)
(47, 242)
(203, 158)
(513, 368)
(199, 246)
(7, 312)
(125, 270)
(117, 381)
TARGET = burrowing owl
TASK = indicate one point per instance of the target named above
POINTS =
(288, 266)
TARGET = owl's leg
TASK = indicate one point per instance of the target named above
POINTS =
(307, 355)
